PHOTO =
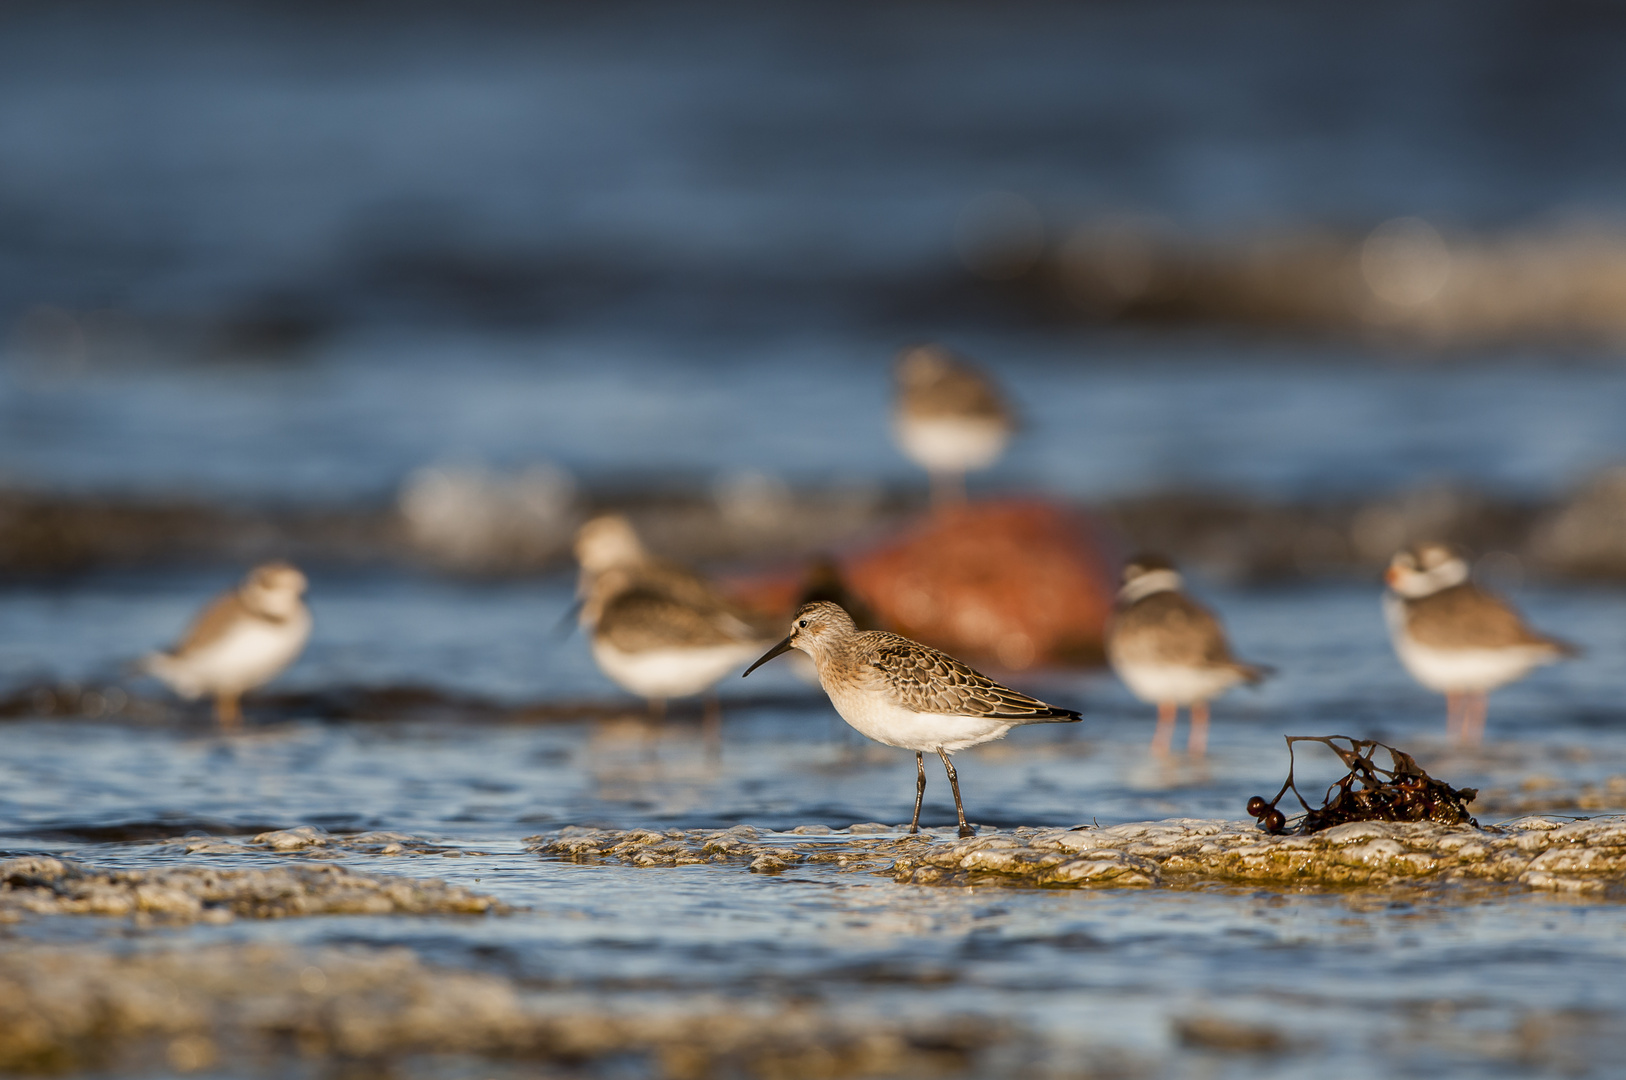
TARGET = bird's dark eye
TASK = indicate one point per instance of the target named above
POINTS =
(801, 622)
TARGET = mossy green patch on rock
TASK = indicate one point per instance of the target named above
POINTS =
(1585, 855)
(48, 886)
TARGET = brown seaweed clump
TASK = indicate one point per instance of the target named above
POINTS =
(1403, 792)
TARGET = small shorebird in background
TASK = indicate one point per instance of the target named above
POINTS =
(241, 641)
(1457, 639)
(949, 417)
(902, 693)
(656, 629)
(1171, 651)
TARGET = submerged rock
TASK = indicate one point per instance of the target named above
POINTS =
(37, 885)
(1535, 852)
(310, 841)
(1013, 583)
(234, 1007)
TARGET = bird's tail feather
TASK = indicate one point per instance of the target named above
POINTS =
(1054, 716)
(1254, 674)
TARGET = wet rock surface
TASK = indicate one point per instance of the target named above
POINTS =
(1549, 853)
(39, 885)
(310, 841)
(229, 1007)
(855, 848)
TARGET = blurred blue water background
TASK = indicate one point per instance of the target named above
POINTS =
(304, 250)
(296, 251)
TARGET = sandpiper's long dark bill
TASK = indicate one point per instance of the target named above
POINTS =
(902, 693)
(1456, 638)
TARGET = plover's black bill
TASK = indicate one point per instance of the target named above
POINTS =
(782, 647)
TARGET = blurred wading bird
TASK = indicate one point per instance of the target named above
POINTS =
(1171, 651)
(657, 630)
(902, 693)
(241, 641)
(1457, 639)
(948, 417)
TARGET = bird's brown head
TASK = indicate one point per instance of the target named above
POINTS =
(815, 629)
(274, 588)
(922, 366)
(606, 542)
(1424, 569)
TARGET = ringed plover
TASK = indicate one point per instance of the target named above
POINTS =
(1171, 651)
(1457, 639)
(241, 641)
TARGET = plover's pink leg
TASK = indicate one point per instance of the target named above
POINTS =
(1476, 705)
(1163, 737)
(1453, 715)
(1197, 740)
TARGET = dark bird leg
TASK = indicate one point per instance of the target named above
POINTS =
(920, 789)
(954, 782)
(1163, 738)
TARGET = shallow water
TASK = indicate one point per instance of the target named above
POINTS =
(1456, 983)
(688, 251)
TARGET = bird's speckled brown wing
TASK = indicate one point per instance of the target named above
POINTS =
(957, 394)
(644, 618)
(1168, 628)
(1467, 617)
(921, 679)
(213, 623)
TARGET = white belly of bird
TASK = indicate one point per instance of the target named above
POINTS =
(1158, 683)
(1447, 671)
(674, 672)
(251, 654)
(1451, 670)
(952, 444)
(876, 718)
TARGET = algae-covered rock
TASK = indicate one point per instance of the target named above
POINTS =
(48, 886)
(309, 841)
(762, 850)
(1537, 852)
(236, 1008)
